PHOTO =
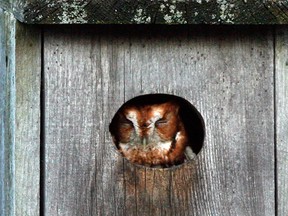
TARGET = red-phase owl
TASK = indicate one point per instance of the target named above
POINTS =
(151, 134)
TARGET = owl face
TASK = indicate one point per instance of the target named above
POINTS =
(150, 127)
(151, 134)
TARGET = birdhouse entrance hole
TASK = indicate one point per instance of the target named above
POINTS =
(158, 130)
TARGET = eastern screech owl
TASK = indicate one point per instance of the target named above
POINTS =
(151, 134)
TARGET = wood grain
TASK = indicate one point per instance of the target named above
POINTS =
(27, 119)
(20, 122)
(281, 118)
(7, 113)
(146, 11)
(227, 73)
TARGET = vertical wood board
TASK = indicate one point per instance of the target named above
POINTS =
(7, 113)
(20, 117)
(27, 119)
(227, 73)
(281, 102)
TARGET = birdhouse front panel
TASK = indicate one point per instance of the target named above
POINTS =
(225, 73)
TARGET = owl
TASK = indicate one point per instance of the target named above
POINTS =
(151, 133)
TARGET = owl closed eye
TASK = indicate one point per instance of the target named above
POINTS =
(151, 134)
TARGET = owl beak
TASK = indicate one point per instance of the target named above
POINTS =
(144, 141)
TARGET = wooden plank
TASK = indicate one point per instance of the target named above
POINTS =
(146, 11)
(7, 113)
(227, 73)
(20, 118)
(27, 119)
(281, 117)
(72, 84)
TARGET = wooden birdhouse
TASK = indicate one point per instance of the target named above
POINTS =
(66, 67)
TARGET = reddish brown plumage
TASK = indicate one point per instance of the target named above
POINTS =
(150, 134)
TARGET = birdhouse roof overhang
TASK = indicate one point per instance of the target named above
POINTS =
(148, 11)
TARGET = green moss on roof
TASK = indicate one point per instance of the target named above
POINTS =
(148, 11)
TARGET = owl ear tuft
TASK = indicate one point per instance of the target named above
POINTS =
(176, 108)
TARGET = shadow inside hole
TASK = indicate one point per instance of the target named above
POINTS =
(189, 115)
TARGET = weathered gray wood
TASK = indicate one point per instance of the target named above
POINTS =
(7, 113)
(20, 117)
(27, 120)
(146, 11)
(227, 73)
(281, 103)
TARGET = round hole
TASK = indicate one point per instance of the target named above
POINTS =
(158, 130)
